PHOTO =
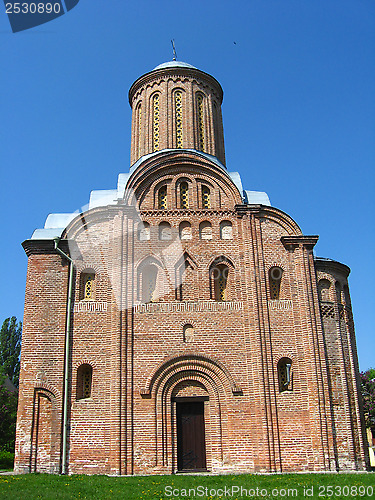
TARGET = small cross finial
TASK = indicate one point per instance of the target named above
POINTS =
(174, 51)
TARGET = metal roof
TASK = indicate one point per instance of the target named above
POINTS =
(174, 64)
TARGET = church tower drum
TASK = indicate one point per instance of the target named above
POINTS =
(176, 106)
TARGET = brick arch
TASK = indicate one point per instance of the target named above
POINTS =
(221, 259)
(44, 445)
(190, 368)
(282, 219)
(174, 164)
(286, 354)
(148, 261)
(189, 388)
(84, 267)
(188, 321)
(85, 361)
(193, 362)
(216, 419)
(280, 264)
(49, 391)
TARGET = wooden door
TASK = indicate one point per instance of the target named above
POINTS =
(191, 447)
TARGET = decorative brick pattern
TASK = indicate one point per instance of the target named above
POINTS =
(90, 307)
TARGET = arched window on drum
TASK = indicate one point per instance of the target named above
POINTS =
(206, 197)
(184, 195)
(162, 198)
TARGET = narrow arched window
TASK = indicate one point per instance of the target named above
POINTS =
(206, 197)
(162, 198)
(84, 381)
(205, 230)
(184, 195)
(87, 286)
(178, 118)
(155, 122)
(200, 116)
(185, 231)
(144, 231)
(324, 290)
(165, 232)
(188, 332)
(219, 280)
(226, 230)
(284, 371)
(148, 283)
(275, 275)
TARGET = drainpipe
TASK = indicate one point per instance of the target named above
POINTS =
(67, 354)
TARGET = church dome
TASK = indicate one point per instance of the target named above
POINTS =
(174, 64)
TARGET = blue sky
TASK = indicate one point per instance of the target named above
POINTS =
(299, 107)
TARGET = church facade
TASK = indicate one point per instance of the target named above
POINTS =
(182, 323)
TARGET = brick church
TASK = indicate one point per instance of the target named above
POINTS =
(181, 322)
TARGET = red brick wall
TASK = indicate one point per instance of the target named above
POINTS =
(141, 360)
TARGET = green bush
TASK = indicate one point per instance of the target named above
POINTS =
(6, 460)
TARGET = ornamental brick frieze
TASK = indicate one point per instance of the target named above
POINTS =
(187, 213)
(200, 306)
(281, 305)
(90, 307)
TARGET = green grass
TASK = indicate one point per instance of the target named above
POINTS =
(44, 486)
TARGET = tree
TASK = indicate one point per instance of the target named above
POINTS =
(10, 347)
(8, 415)
(368, 396)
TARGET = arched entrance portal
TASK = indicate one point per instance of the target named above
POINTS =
(191, 435)
(190, 394)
